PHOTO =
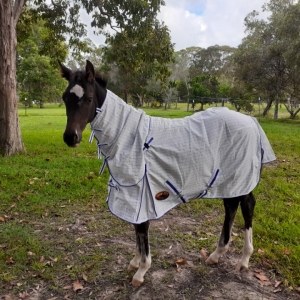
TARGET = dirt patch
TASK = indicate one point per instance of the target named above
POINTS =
(189, 278)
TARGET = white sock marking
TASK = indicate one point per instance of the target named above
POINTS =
(247, 249)
(77, 90)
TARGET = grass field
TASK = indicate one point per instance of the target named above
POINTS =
(51, 187)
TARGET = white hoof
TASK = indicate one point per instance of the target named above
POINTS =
(136, 282)
(132, 268)
(211, 261)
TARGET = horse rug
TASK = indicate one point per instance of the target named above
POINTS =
(157, 163)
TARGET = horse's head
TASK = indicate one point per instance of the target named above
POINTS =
(84, 94)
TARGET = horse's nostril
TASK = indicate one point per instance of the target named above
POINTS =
(71, 139)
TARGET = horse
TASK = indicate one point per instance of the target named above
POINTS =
(139, 152)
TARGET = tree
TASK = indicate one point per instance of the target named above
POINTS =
(92, 53)
(204, 86)
(62, 19)
(10, 135)
(214, 60)
(37, 75)
(268, 59)
(140, 57)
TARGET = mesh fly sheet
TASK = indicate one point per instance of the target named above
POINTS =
(156, 163)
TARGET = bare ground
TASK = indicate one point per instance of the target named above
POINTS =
(175, 273)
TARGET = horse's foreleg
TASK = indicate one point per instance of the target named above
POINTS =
(142, 258)
(247, 206)
(230, 206)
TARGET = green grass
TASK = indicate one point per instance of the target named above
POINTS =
(53, 206)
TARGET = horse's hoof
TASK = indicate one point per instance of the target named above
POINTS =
(136, 283)
(131, 268)
(211, 261)
(240, 268)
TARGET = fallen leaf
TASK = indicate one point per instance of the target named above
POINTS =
(30, 253)
(261, 252)
(288, 203)
(287, 251)
(23, 295)
(277, 290)
(178, 269)
(2, 219)
(42, 259)
(263, 279)
(181, 261)
(55, 259)
(67, 287)
(261, 276)
(84, 277)
(10, 260)
(277, 283)
(170, 286)
(203, 253)
(119, 261)
(209, 233)
(77, 286)
(235, 234)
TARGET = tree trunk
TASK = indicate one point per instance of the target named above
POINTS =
(267, 108)
(10, 134)
(276, 109)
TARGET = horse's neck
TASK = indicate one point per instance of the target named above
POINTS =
(101, 95)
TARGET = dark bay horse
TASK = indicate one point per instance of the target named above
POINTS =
(86, 96)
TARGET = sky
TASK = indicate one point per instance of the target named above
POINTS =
(203, 23)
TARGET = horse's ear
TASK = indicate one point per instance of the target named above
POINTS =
(90, 72)
(65, 72)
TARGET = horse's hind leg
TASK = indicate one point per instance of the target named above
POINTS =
(247, 206)
(230, 206)
(142, 258)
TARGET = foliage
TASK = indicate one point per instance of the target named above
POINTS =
(214, 60)
(135, 59)
(37, 74)
(267, 60)
(93, 53)
(202, 87)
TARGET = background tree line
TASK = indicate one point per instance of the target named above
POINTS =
(139, 59)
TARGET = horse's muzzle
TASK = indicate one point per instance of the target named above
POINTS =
(72, 139)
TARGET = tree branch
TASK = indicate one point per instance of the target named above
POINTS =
(17, 10)
(102, 12)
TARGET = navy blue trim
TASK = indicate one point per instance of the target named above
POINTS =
(202, 194)
(175, 190)
(146, 145)
(214, 179)
(103, 165)
(125, 185)
(95, 129)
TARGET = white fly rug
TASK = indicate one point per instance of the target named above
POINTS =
(156, 163)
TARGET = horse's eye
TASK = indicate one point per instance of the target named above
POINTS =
(89, 99)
